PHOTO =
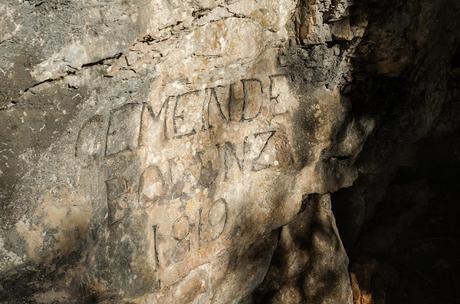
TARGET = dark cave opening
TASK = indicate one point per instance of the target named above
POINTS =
(399, 221)
(407, 248)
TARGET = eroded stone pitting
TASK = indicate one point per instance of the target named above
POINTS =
(184, 151)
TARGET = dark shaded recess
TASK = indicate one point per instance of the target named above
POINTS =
(20, 288)
(414, 234)
(399, 221)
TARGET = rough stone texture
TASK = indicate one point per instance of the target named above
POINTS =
(172, 151)
(310, 263)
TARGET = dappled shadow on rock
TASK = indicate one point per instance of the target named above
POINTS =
(310, 263)
(398, 219)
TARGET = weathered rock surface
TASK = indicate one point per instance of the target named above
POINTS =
(170, 151)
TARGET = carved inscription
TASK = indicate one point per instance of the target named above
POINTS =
(188, 234)
(216, 220)
(214, 109)
(167, 181)
(187, 143)
(152, 186)
(231, 158)
(123, 131)
(90, 139)
(185, 109)
(279, 104)
(181, 229)
(153, 123)
(117, 202)
(185, 115)
(253, 99)
(262, 160)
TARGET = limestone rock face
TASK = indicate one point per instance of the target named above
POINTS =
(176, 151)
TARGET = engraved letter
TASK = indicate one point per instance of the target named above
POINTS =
(230, 152)
(262, 161)
(184, 103)
(152, 186)
(155, 246)
(90, 140)
(218, 109)
(117, 189)
(123, 133)
(217, 218)
(180, 232)
(278, 106)
(149, 126)
(253, 99)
